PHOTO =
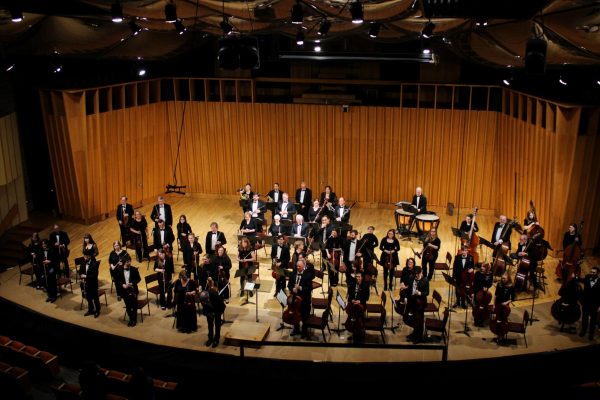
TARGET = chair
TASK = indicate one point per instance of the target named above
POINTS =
(398, 275)
(118, 382)
(520, 327)
(164, 389)
(438, 325)
(64, 281)
(26, 270)
(77, 261)
(377, 308)
(315, 285)
(323, 303)
(445, 266)
(67, 391)
(101, 292)
(376, 324)
(154, 289)
(140, 306)
(434, 305)
(321, 322)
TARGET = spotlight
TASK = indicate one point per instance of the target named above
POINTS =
(135, 28)
(16, 15)
(57, 69)
(116, 11)
(324, 28)
(507, 82)
(598, 81)
(170, 13)
(226, 26)
(141, 72)
(9, 66)
(562, 81)
(356, 10)
(426, 51)
(317, 48)
(374, 29)
(297, 13)
(428, 30)
(180, 27)
(481, 21)
(300, 38)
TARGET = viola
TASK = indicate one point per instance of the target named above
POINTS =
(292, 314)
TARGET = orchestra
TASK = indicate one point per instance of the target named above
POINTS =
(329, 218)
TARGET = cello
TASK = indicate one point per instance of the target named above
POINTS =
(573, 254)
(292, 314)
(566, 309)
(473, 241)
(504, 295)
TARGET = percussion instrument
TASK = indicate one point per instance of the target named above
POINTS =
(403, 218)
(425, 222)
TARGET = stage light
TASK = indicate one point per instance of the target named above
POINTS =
(317, 48)
(481, 21)
(374, 29)
(116, 11)
(507, 82)
(598, 82)
(135, 28)
(300, 37)
(226, 26)
(180, 27)
(57, 69)
(426, 51)
(562, 81)
(428, 30)
(9, 66)
(324, 27)
(356, 10)
(16, 15)
(141, 72)
(535, 56)
(297, 13)
(170, 13)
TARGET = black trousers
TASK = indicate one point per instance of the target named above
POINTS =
(51, 287)
(588, 318)
(214, 326)
(131, 306)
(429, 268)
(388, 274)
(91, 295)
(165, 301)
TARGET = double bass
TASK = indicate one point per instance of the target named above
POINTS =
(499, 324)
(566, 310)
(473, 240)
(292, 314)
(481, 305)
(573, 254)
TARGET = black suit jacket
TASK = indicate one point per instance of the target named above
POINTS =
(505, 237)
(285, 254)
(271, 194)
(457, 267)
(307, 197)
(260, 210)
(134, 278)
(305, 284)
(168, 215)
(363, 292)
(169, 238)
(346, 217)
(208, 241)
(128, 210)
(54, 265)
(332, 198)
(91, 276)
(346, 247)
(422, 286)
(422, 203)
(291, 209)
(590, 298)
(64, 238)
(303, 229)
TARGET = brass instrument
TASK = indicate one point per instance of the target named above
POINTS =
(243, 194)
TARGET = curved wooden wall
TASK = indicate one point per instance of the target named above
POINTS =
(497, 161)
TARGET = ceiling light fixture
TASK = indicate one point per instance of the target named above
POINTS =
(300, 37)
(170, 13)
(297, 13)
(428, 30)
(16, 15)
(562, 81)
(374, 29)
(141, 72)
(506, 81)
(356, 10)
(324, 27)
(10, 66)
(135, 28)
(57, 69)
(180, 27)
(426, 51)
(116, 12)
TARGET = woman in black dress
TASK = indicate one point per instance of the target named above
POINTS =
(116, 260)
(185, 298)
(139, 232)
(183, 229)
(191, 258)
(219, 271)
(246, 258)
(390, 246)
(248, 226)
(90, 248)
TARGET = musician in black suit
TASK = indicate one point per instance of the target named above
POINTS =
(419, 201)
(257, 208)
(328, 195)
(59, 240)
(300, 228)
(33, 252)
(164, 266)
(482, 282)
(358, 294)
(214, 237)
(300, 283)
(162, 211)
(590, 302)
(418, 288)
(50, 263)
(280, 254)
(463, 262)
(501, 234)
(88, 272)
(351, 250)
(163, 235)
(465, 226)
(277, 228)
(342, 211)
(124, 214)
(333, 253)
(286, 208)
(213, 308)
(368, 244)
(304, 199)
(528, 251)
(129, 278)
(274, 194)
(192, 249)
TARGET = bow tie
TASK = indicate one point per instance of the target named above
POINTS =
(162, 230)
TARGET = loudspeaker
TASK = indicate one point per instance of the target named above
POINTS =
(237, 53)
(535, 56)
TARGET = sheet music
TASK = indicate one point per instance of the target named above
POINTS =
(282, 298)
(249, 286)
(340, 301)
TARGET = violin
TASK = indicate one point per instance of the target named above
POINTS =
(292, 314)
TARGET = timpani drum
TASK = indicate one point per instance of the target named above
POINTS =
(403, 217)
(425, 222)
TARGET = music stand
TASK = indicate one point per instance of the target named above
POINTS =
(342, 306)
(247, 271)
(268, 240)
(344, 228)
(272, 206)
(460, 234)
(451, 283)
(282, 299)
(393, 327)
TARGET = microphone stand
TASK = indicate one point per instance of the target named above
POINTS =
(466, 329)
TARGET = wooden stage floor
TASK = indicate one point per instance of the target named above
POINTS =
(542, 336)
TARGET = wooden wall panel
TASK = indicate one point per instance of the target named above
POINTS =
(373, 155)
